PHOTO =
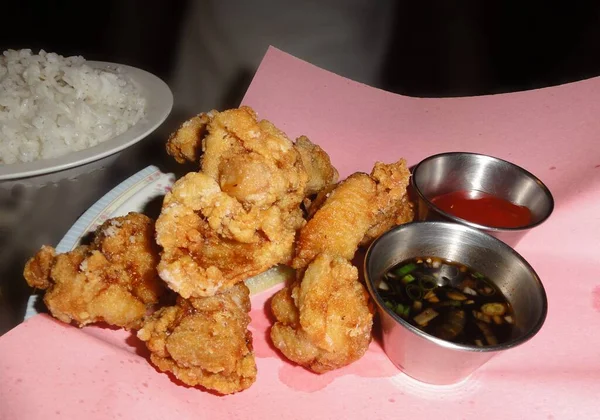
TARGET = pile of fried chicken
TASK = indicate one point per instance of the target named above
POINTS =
(257, 200)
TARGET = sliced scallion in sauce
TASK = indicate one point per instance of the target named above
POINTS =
(448, 300)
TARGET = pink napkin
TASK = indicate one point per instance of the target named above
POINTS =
(50, 370)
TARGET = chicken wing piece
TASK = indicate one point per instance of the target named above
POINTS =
(324, 320)
(356, 211)
(112, 280)
(205, 341)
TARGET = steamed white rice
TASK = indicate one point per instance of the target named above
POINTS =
(51, 105)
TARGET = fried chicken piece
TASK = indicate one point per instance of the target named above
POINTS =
(112, 280)
(253, 161)
(216, 137)
(210, 242)
(324, 320)
(340, 224)
(321, 174)
(185, 144)
(354, 212)
(205, 341)
(238, 216)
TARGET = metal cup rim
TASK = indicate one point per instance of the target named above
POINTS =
(476, 225)
(526, 336)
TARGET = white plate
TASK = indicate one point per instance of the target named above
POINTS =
(145, 188)
(159, 102)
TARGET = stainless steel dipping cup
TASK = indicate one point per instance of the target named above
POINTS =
(461, 171)
(423, 356)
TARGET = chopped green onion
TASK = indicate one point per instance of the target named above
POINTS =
(389, 304)
(404, 270)
(401, 310)
(478, 276)
(414, 292)
(408, 279)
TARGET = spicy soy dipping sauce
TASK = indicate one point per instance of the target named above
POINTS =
(448, 300)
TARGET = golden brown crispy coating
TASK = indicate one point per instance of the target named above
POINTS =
(185, 144)
(357, 210)
(211, 243)
(219, 139)
(205, 341)
(113, 280)
(392, 202)
(321, 174)
(37, 269)
(323, 321)
(253, 161)
(239, 215)
(340, 224)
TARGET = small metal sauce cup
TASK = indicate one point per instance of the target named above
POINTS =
(423, 356)
(462, 171)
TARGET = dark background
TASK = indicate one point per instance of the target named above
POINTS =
(438, 48)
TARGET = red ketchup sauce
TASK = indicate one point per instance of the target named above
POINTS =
(483, 209)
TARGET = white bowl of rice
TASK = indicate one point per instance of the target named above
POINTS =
(60, 112)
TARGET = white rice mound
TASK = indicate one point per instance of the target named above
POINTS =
(51, 105)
